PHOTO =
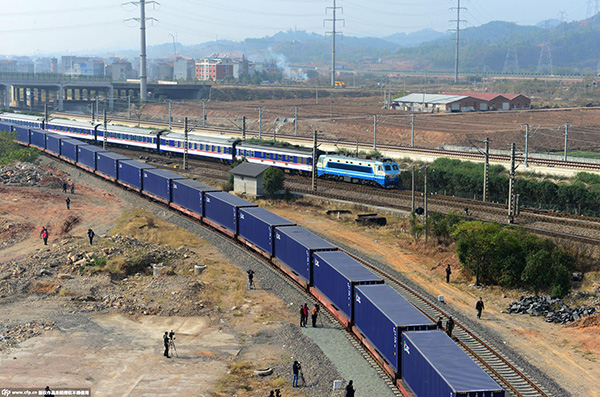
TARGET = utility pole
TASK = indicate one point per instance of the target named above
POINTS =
(425, 206)
(413, 190)
(295, 120)
(260, 122)
(105, 140)
(45, 115)
(566, 138)
(170, 117)
(129, 106)
(512, 188)
(204, 113)
(458, 21)
(142, 21)
(97, 107)
(412, 136)
(333, 33)
(526, 145)
(93, 113)
(244, 127)
(374, 132)
(316, 95)
(185, 148)
(486, 171)
(314, 163)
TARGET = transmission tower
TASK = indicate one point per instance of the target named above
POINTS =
(333, 33)
(511, 62)
(545, 61)
(457, 30)
(142, 20)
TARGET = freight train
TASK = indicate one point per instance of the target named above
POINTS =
(379, 172)
(405, 342)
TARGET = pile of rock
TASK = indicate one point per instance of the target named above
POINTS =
(554, 309)
(22, 174)
(11, 334)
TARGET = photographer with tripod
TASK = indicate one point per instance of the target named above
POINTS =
(297, 370)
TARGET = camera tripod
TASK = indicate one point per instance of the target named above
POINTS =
(301, 377)
(172, 346)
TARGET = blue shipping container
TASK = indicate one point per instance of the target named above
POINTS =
(87, 155)
(158, 182)
(38, 138)
(223, 208)
(336, 274)
(190, 194)
(53, 143)
(23, 134)
(381, 314)
(294, 246)
(257, 225)
(106, 163)
(131, 172)
(433, 365)
(68, 148)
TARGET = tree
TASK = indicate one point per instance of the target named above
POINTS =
(475, 248)
(273, 181)
(536, 273)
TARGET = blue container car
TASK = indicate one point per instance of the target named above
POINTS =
(107, 163)
(38, 138)
(68, 149)
(23, 134)
(381, 315)
(257, 227)
(53, 143)
(336, 275)
(131, 173)
(86, 156)
(157, 183)
(221, 210)
(188, 195)
(433, 365)
(295, 246)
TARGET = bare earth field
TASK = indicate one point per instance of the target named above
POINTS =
(109, 345)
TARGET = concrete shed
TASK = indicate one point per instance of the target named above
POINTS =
(248, 178)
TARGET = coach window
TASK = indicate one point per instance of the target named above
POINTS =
(379, 168)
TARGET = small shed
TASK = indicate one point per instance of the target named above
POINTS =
(248, 178)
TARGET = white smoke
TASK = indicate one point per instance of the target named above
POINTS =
(281, 62)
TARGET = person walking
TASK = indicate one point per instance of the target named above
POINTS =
(166, 343)
(295, 371)
(350, 389)
(91, 235)
(479, 306)
(449, 326)
(448, 273)
(314, 314)
(439, 322)
(68, 201)
(72, 188)
(305, 314)
(64, 187)
(250, 278)
(302, 318)
(44, 235)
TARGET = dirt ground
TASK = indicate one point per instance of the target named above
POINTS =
(115, 353)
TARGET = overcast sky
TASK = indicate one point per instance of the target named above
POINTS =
(38, 27)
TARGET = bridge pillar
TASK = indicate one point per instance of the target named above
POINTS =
(111, 98)
(61, 98)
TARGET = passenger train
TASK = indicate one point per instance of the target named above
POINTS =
(420, 359)
(383, 173)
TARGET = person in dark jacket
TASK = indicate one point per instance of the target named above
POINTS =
(166, 343)
(449, 326)
(350, 390)
(439, 323)
(44, 235)
(479, 307)
(295, 371)
(314, 314)
(448, 273)
(91, 235)
(250, 278)
(72, 188)
(64, 187)
(302, 318)
(68, 201)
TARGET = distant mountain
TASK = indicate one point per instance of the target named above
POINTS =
(551, 23)
(415, 38)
